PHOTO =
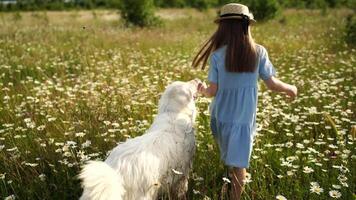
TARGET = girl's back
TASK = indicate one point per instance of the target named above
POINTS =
(229, 80)
(236, 97)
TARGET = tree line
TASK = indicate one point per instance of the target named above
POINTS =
(14, 5)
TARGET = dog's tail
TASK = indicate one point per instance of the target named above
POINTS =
(101, 182)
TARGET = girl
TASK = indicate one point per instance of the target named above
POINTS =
(236, 62)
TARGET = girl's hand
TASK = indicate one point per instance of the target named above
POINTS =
(292, 91)
(207, 91)
(202, 88)
(275, 84)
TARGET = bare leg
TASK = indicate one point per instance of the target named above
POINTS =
(238, 176)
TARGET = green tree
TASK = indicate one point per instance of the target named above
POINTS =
(351, 30)
(171, 3)
(201, 4)
(264, 9)
(139, 12)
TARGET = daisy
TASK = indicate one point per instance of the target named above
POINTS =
(11, 197)
(335, 194)
(280, 197)
(308, 170)
(290, 173)
(42, 177)
(315, 188)
(248, 178)
(226, 180)
(337, 186)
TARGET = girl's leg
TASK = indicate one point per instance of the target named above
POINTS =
(238, 176)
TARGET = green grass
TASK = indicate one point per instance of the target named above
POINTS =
(67, 78)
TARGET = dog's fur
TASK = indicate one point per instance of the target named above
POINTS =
(157, 162)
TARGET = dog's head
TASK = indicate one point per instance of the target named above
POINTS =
(178, 96)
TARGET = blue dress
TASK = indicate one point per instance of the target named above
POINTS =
(233, 110)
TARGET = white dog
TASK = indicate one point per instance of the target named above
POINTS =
(157, 162)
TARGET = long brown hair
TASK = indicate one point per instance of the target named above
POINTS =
(241, 53)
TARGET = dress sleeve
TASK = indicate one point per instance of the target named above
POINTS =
(213, 70)
(266, 69)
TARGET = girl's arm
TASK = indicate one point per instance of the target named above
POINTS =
(207, 91)
(276, 85)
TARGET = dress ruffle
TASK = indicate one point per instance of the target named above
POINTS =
(235, 142)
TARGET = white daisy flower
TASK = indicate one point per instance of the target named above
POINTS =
(335, 194)
(11, 197)
(248, 178)
(308, 170)
(42, 177)
(315, 188)
(280, 197)
(290, 173)
(337, 186)
(226, 180)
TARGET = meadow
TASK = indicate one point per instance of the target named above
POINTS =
(74, 84)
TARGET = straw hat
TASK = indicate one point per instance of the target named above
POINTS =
(234, 11)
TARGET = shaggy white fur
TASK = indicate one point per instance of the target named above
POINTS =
(157, 162)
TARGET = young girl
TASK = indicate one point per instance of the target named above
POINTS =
(236, 63)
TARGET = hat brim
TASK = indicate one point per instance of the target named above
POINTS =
(217, 20)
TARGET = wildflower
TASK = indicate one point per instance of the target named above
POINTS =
(337, 186)
(226, 180)
(342, 178)
(248, 178)
(315, 188)
(280, 197)
(72, 143)
(12, 149)
(2, 176)
(86, 144)
(41, 127)
(80, 134)
(196, 191)
(42, 177)
(290, 173)
(31, 164)
(51, 119)
(29, 123)
(82, 156)
(344, 184)
(112, 130)
(335, 194)
(291, 158)
(11, 197)
(285, 163)
(67, 154)
(308, 170)
(289, 144)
